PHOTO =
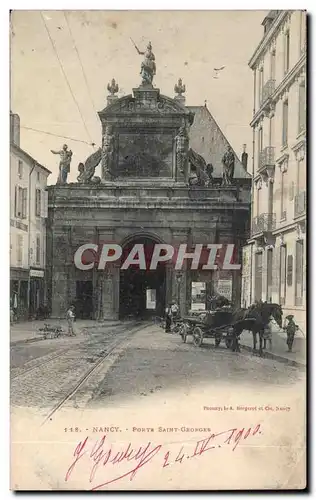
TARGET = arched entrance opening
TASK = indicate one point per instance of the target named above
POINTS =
(142, 291)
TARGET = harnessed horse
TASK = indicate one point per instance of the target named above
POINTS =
(255, 319)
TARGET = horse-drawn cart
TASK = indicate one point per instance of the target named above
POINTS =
(209, 324)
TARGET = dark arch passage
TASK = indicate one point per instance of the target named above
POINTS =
(142, 292)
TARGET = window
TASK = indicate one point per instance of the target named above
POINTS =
(285, 123)
(19, 249)
(20, 169)
(301, 176)
(38, 249)
(299, 265)
(260, 85)
(286, 52)
(38, 176)
(38, 202)
(301, 107)
(290, 270)
(260, 145)
(282, 195)
(271, 131)
(20, 202)
(269, 274)
(258, 201)
(258, 276)
(282, 274)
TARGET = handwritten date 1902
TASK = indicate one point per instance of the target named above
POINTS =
(101, 454)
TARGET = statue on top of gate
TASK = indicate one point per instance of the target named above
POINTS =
(148, 67)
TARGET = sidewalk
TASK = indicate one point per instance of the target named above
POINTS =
(28, 331)
(279, 349)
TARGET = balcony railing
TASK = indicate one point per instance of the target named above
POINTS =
(300, 204)
(267, 90)
(263, 223)
(266, 158)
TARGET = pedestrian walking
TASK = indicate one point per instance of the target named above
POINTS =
(168, 314)
(70, 320)
(174, 311)
(267, 334)
(291, 329)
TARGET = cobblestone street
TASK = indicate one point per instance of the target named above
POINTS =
(132, 361)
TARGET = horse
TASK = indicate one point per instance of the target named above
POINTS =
(255, 319)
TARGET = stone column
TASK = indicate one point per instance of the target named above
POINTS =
(59, 293)
(60, 270)
(179, 277)
(237, 275)
(108, 281)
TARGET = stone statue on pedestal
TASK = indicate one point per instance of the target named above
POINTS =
(148, 67)
(113, 87)
(182, 144)
(86, 170)
(179, 88)
(107, 152)
(64, 164)
(228, 161)
(202, 173)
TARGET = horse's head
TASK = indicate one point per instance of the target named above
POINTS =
(277, 313)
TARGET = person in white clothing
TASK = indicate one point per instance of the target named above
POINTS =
(70, 320)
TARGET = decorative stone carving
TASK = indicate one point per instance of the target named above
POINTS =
(182, 145)
(281, 240)
(259, 183)
(87, 169)
(107, 153)
(284, 166)
(203, 172)
(300, 152)
(113, 87)
(179, 88)
(300, 229)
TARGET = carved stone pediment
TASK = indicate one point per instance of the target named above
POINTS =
(145, 101)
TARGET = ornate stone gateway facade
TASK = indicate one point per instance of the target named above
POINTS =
(145, 194)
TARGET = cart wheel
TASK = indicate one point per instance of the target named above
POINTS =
(183, 333)
(217, 341)
(197, 336)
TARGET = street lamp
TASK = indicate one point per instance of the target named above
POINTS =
(178, 280)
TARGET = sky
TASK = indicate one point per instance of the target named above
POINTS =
(93, 47)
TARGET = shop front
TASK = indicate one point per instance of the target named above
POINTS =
(18, 293)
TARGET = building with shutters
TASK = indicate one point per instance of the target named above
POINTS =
(274, 260)
(28, 213)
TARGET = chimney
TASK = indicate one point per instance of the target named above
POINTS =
(244, 157)
(15, 129)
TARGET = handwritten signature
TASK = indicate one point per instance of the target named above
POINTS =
(102, 453)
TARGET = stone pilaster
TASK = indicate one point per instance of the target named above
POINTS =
(108, 282)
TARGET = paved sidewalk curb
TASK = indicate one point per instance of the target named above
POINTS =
(42, 337)
(277, 357)
(26, 341)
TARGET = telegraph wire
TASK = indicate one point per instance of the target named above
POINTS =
(57, 135)
(79, 58)
(64, 73)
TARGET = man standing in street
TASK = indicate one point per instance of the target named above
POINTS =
(70, 320)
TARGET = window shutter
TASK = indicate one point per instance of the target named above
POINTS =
(44, 204)
(16, 201)
(24, 203)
